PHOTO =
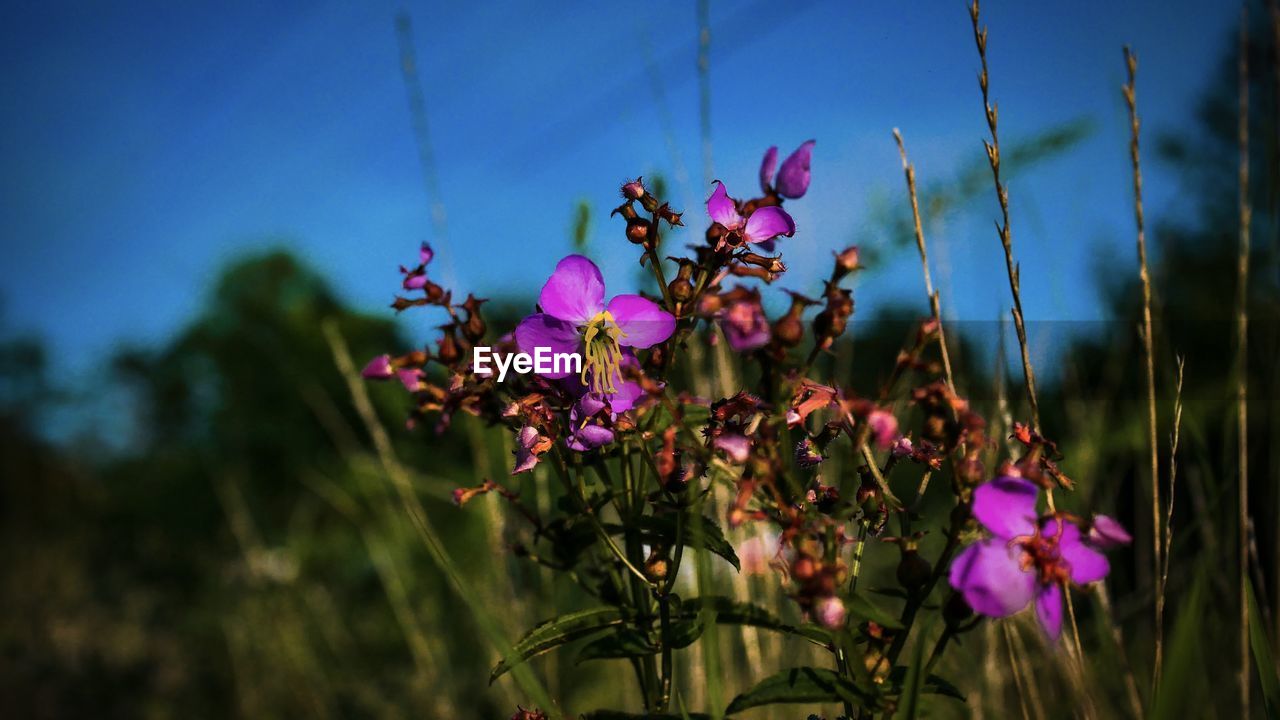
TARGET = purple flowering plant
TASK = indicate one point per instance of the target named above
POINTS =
(659, 472)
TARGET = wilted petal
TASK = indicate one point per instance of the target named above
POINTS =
(1007, 506)
(574, 292)
(378, 368)
(722, 209)
(527, 446)
(793, 178)
(1107, 532)
(989, 575)
(642, 321)
(1049, 610)
(767, 168)
(425, 254)
(541, 330)
(767, 223)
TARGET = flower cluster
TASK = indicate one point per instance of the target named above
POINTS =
(785, 452)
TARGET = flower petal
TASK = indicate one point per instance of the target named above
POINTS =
(767, 167)
(793, 178)
(589, 437)
(1049, 610)
(574, 292)
(425, 254)
(542, 330)
(1007, 506)
(989, 575)
(642, 321)
(1087, 565)
(1107, 532)
(378, 368)
(767, 223)
(722, 209)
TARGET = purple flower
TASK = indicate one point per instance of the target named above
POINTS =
(590, 423)
(793, 179)
(884, 428)
(1027, 559)
(575, 319)
(378, 368)
(764, 223)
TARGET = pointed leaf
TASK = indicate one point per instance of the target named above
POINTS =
(705, 534)
(801, 685)
(625, 643)
(732, 612)
(860, 607)
(558, 631)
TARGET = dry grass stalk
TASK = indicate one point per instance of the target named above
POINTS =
(935, 303)
(1002, 226)
(1242, 360)
(1144, 276)
(1006, 241)
(1173, 476)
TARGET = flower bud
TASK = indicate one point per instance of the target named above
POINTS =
(634, 189)
(638, 230)
(847, 260)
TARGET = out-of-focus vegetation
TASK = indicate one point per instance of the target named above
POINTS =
(244, 553)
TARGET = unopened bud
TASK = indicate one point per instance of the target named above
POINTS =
(638, 230)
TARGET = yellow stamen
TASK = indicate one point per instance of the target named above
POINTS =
(602, 353)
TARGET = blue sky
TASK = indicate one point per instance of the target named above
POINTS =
(144, 144)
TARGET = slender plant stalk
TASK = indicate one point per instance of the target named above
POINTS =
(1242, 359)
(704, 90)
(1006, 241)
(1002, 226)
(1130, 91)
(1173, 475)
(935, 303)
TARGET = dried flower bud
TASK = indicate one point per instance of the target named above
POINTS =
(847, 260)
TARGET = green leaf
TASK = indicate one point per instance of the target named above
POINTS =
(616, 715)
(932, 685)
(860, 607)
(705, 534)
(624, 643)
(732, 612)
(558, 631)
(1268, 671)
(1184, 670)
(800, 685)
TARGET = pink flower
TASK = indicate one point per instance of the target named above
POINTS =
(575, 319)
(1026, 560)
(830, 612)
(745, 325)
(764, 224)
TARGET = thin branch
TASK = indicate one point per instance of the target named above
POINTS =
(1242, 360)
